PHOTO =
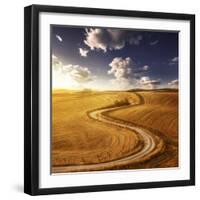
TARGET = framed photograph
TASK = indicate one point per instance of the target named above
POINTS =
(109, 100)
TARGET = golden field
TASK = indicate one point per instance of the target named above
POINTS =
(77, 139)
(158, 111)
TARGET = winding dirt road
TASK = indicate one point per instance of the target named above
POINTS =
(151, 144)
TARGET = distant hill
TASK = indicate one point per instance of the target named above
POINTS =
(155, 90)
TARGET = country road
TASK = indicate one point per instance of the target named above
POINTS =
(151, 144)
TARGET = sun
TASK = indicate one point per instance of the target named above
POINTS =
(60, 81)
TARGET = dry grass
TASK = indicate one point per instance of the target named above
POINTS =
(159, 113)
(77, 139)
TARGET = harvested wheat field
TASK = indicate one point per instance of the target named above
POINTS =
(114, 130)
(158, 112)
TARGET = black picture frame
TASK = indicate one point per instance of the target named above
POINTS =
(31, 99)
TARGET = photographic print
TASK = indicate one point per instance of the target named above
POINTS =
(114, 99)
(109, 99)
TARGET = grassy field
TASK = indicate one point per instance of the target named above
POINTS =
(158, 112)
(79, 140)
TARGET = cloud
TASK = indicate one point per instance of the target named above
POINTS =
(112, 39)
(56, 63)
(135, 40)
(126, 73)
(148, 83)
(121, 69)
(145, 67)
(138, 72)
(83, 52)
(173, 83)
(154, 42)
(142, 69)
(77, 73)
(122, 83)
(173, 61)
(59, 38)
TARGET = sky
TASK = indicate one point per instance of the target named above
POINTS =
(113, 58)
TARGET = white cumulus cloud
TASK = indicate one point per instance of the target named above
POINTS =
(83, 52)
(104, 39)
(80, 74)
(126, 74)
(148, 83)
(121, 69)
(77, 73)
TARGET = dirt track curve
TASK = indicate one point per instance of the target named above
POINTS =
(151, 144)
